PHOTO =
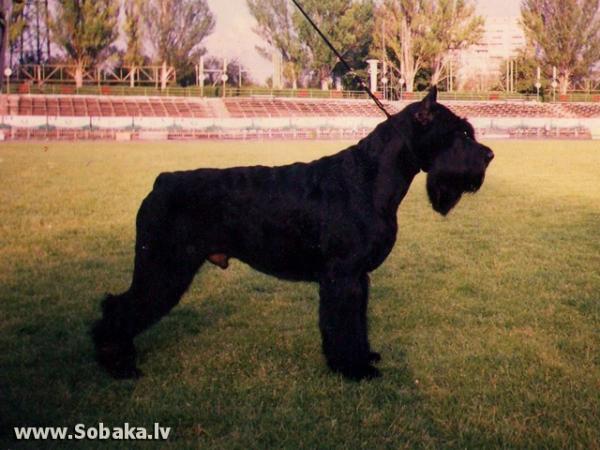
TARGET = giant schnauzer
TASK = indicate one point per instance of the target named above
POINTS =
(331, 221)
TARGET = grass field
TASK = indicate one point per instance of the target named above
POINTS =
(488, 320)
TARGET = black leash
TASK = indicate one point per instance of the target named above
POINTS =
(343, 61)
(416, 159)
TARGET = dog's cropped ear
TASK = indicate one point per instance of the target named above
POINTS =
(424, 114)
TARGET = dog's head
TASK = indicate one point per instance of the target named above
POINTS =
(448, 151)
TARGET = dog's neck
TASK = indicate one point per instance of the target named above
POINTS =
(393, 167)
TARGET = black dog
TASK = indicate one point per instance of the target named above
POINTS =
(331, 221)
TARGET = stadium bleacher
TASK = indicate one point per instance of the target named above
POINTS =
(276, 107)
(240, 107)
(505, 109)
(582, 110)
(101, 106)
(564, 120)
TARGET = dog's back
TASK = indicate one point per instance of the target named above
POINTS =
(268, 217)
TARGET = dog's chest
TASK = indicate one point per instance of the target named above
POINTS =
(382, 242)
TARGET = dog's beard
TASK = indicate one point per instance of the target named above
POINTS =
(445, 188)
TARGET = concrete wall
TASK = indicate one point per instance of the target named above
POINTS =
(164, 123)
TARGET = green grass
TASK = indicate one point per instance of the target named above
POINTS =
(488, 320)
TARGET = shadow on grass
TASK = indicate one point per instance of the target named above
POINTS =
(213, 349)
(49, 375)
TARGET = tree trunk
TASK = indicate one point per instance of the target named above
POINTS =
(409, 72)
(47, 18)
(4, 18)
(38, 32)
(79, 74)
(410, 82)
(409, 67)
(436, 76)
(21, 47)
(563, 82)
(325, 78)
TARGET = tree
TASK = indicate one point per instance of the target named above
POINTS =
(16, 32)
(36, 14)
(176, 29)
(348, 25)
(29, 35)
(453, 26)
(133, 29)
(275, 25)
(417, 35)
(85, 30)
(565, 34)
(401, 28)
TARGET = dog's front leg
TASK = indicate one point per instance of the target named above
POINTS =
(342, 320)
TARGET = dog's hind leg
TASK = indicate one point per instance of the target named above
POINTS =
(166, 260)
(342, 322)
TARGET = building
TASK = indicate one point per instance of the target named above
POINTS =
(479, 66)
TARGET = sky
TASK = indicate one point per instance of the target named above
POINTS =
(233, 36)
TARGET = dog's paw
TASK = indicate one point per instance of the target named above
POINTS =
(124, 372)
(363, 372)
(120, 368)
(374, 357)
(118, 360)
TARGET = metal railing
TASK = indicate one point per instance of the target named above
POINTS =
(176, 91)
(217, 91)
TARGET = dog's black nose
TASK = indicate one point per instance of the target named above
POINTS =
(489, 156)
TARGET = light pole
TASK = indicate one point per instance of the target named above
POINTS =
(7, 73)
(373, 72)
(384, 81)
(554, 84)
(538, 83)
(224, 79)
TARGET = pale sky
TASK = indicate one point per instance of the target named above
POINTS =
(233, 36)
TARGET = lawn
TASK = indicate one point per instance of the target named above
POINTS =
(488, 320)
